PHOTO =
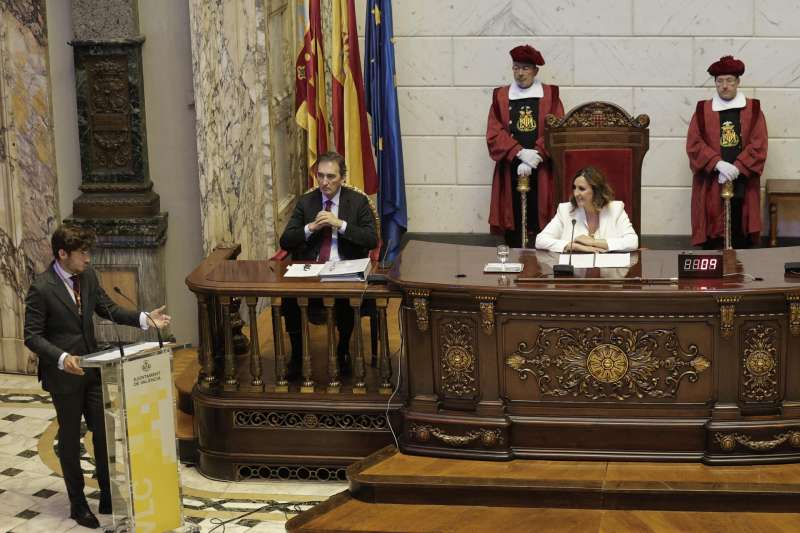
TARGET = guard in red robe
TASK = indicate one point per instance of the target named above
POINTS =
(727, 141)
(515, 138)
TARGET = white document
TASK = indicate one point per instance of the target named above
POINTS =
(498, 267)
(612, 260)
(345, 270)
(299, 270)
(578, 260)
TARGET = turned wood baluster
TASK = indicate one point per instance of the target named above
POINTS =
(308, 381)
(205, 378)
(281, 384)
(359, 373)
(255, 348)
(334, 385)
(384, 362)
(231, 382)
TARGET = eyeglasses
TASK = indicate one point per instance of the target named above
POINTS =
(522, 68)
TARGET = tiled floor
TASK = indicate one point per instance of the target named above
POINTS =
(33, 497)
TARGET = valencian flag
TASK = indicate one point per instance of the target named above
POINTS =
(350, 131)
(382, 105)
(310, 87)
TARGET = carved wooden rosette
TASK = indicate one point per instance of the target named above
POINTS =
(598, 115)
(486, 304)
(457, 361)
(727, 313)
(794, 313)
(488, 438)
(760, 364)
(419, 299)
(616, 363)
(728, 441)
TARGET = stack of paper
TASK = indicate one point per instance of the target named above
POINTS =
(346, 270)
(607, 260)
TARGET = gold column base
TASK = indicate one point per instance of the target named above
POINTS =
(282, 387)
(307, 387)
(334, 388)
(360, 388)
(386, 391)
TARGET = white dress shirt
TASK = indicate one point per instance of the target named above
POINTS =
(334, 234)
(614, 227)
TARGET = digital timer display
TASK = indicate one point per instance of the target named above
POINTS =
(700, 265)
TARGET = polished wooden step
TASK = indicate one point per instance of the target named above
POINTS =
(389, 476)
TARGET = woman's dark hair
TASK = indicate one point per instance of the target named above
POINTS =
(71, 238)
(602, 193)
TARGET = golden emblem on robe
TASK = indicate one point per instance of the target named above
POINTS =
(728, 139)
(526, 123)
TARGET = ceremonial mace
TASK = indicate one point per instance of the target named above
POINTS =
(727, 194)
(523, 186)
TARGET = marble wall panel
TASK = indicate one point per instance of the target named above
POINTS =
(429, 160)
(666, 164)
(572, 97)
(770, 62)
(448, 209)
(424, 61)
(444, 110)
(633, 61)
(670, 109)
(777, 18)
(689, 17)
(229, 62)
(783, 159)
(473, 163)
(116, 20)
(657, 219)
(780, 107)
(576, 17)
(28, 192)
(485, 61)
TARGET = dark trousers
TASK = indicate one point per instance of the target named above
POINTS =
(87, 402)
(514, 238)
(739, 239)
(344, 322)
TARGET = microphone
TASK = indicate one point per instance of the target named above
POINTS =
(375, 277)
(158, 331)
(116, 328)
(568, 269)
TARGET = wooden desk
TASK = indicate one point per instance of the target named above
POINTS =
(779, 190)
(615, 364)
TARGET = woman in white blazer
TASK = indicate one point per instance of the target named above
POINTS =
(601, 223)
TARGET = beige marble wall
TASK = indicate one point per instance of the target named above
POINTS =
(647, 56)
(229, 64)
(28, 197)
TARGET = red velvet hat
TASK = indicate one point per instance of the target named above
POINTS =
(527, 54)
(726, 65)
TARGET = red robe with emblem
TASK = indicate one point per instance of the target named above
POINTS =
(708, 213)
(503, 149)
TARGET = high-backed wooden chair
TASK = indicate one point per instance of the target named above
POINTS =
(605, 136)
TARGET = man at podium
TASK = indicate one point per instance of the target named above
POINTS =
(59, 328)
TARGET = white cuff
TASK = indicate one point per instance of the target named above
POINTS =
(307, 231)
(61, 360)
(344, 227)
(144, 322)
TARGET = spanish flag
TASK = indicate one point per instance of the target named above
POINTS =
(310, 88)
(350, 130)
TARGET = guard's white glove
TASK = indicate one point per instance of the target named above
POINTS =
(722, 179)
(729, 171)
(524, 169)
(529, 156)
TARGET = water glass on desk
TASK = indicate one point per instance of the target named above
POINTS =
(502, 255)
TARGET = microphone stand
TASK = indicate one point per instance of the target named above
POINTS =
(380, 277)
(116, 328)
(158, 331)
(568, 269)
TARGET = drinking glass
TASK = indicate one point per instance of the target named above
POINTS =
(502, 255)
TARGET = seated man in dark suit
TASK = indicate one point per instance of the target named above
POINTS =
(330, 222)
(59, 328)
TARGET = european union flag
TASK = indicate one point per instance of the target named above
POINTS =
(381, 97)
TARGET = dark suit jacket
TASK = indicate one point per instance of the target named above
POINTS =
(358, 239)
(53, 325)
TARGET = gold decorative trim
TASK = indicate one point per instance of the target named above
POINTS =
(728, 441)
(457, 362)
(605, 315)
(595, 363)
(486, 304)
(760, 364)
(598, 115)
(420, 302)
(488, 438)
(727, 311)
(794, 313)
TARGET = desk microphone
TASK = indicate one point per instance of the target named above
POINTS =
(116, 328)
(158, 331)
(380, 277)
(568, 269)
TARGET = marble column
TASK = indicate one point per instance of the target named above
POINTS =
(233, 137)
(117, 198)
(28, 191)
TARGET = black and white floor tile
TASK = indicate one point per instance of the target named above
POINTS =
(33, 497)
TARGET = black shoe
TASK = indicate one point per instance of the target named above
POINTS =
(84, 516)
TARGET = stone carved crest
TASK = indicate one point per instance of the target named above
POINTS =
(598, 115)
(629, 363)
(457, 360)
(760, 364)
